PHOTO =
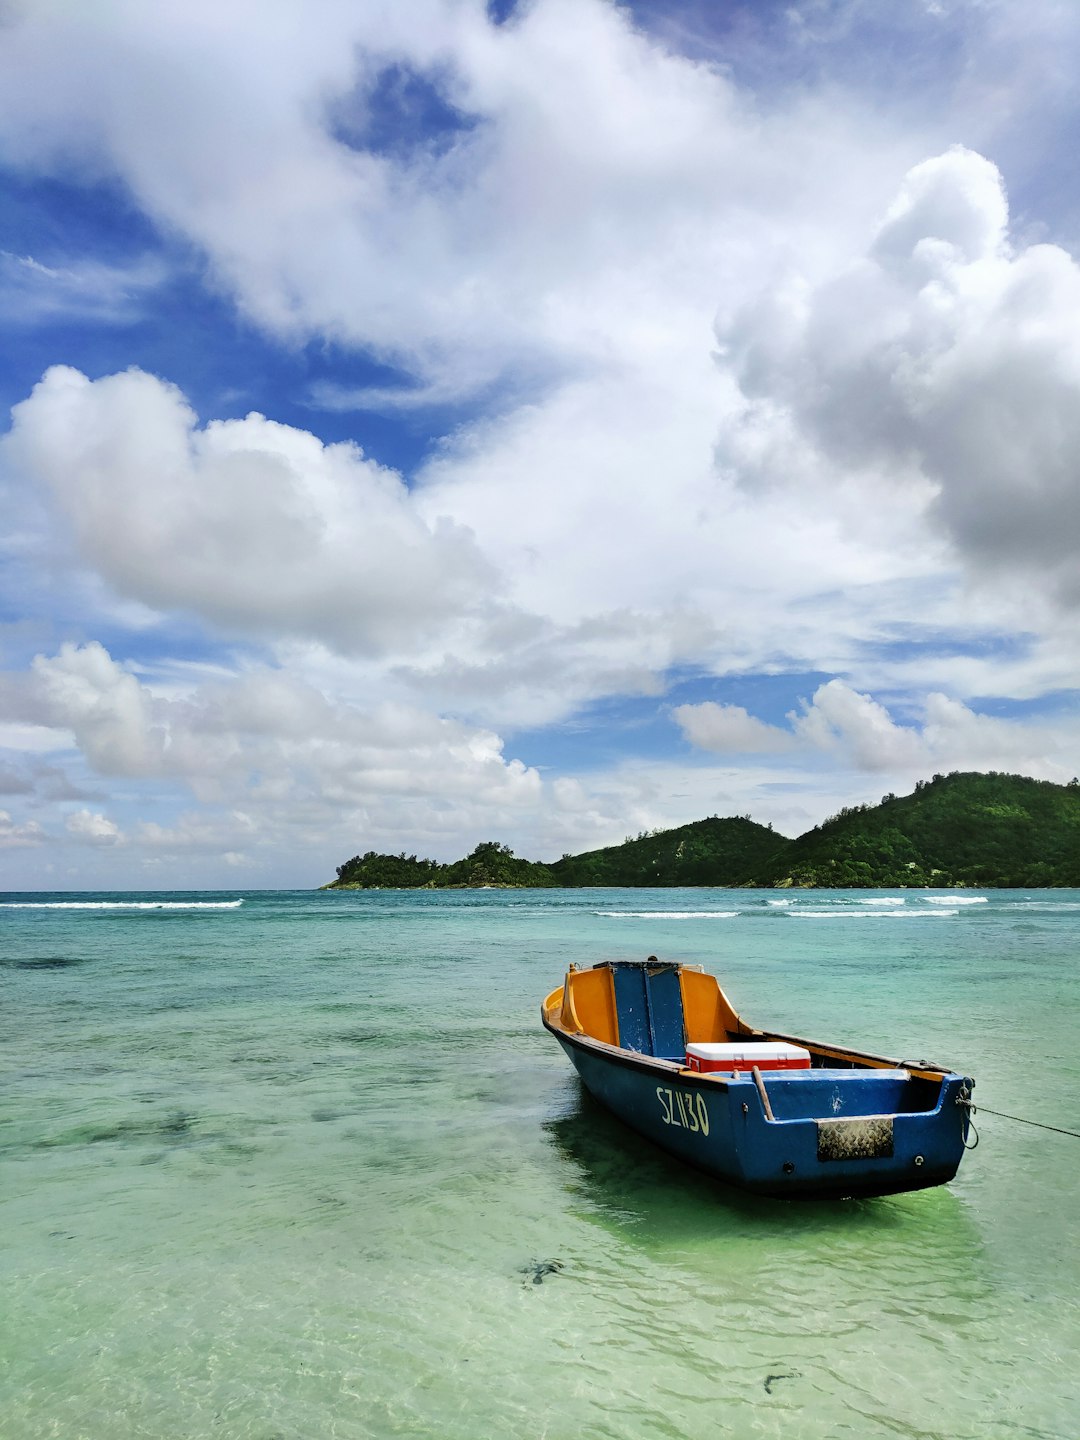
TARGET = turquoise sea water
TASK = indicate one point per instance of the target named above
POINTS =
(293, 1168)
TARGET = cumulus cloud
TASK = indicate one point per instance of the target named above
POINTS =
(859, 733)
(852, 726)
(93, 828)
(859, 728)
(729, 728)
(944, 356)
(14, 836)
(81, 689)
(265, 737)
(250, 524)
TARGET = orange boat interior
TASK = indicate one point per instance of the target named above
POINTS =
(585, 1004)
(657, 1008)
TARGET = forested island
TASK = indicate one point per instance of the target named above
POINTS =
(964, 829)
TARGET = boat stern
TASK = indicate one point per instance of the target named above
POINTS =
(823, 1133)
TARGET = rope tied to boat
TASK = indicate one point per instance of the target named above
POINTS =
(964, 1099)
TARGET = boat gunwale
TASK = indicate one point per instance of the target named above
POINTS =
(634, 1058)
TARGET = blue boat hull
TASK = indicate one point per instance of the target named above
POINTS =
(833, 1132)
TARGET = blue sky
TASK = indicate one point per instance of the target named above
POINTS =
(538, 422)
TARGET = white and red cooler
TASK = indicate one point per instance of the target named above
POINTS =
(772, 1055)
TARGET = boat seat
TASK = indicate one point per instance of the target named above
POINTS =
(649, 1009)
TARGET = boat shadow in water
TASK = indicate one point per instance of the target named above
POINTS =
(624, 1179)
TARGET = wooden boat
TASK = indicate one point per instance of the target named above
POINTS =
(661, 1046)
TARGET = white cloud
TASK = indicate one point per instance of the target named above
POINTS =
(604, 505)
(943, 355)
(853, 727)
(82, 690)
(959, 738)
(14, 836)
(949, 208)
(252, 525)
(265, 738)
(93, 828)
(858, 728)
(729, 728)
(859, 733)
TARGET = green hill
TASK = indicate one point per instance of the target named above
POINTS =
(961, 829)
(706, 852)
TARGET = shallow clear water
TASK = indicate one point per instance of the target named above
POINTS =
(293, 1168)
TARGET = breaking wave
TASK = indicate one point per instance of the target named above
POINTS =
(890, 914)
(120, 904)
(667, 914)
